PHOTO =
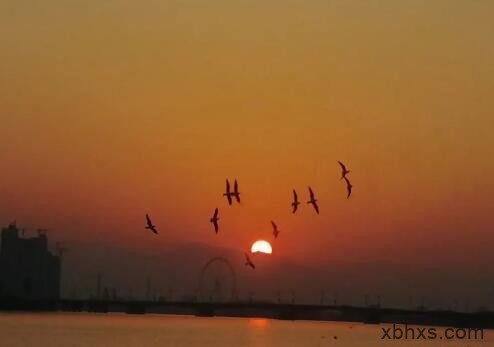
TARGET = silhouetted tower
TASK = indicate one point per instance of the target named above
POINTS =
(251, 297)
(28, 270)
(148, 289)
(170, 294)
(106, 294)
(98, 285)
(74, 292)
(422, 304)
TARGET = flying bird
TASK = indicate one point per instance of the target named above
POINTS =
(235, 193)
(313, 200)
(344, 170)
(249, 262)
(348, 187)
(276, 232)
(228, 193)
(150, 225)
(214, 220)
(295, 202)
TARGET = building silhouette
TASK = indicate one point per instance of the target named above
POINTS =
(27, 268)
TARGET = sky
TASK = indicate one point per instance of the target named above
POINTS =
(113, 109)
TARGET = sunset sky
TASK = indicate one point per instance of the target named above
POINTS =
(113, 109)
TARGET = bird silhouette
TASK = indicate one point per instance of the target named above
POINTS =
(249, 262)
(344, 170)
(236, 193)
(228, 193)
(348, 187)
(276, 232)
(295, 202)
(150, 225)
(313, 200)
(214, 220)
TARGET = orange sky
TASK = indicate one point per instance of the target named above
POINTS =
(113, 109)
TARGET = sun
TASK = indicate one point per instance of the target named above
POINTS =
(262, 247)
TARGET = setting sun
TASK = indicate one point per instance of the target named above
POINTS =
(262, 247)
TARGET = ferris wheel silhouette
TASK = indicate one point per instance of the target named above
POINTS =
(217, 282)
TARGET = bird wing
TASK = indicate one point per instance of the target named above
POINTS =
(215, 213)
(295, 197)
(343, 167)
(148, 220)
(227, 187)
(348, 183)
(229, 198)
(215, 223)
(348, 187)
(235, 186)
(316, 207)
(274, 225)
(311, 193)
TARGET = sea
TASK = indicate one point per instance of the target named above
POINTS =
(124, 330)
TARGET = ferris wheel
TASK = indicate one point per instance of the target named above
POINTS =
(217, 282)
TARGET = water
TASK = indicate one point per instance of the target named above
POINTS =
(121, 330)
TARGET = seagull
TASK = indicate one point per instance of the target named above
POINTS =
(313, 200)
(214, 220)
(228, 194)
(249, 262)
(295, 202)
(344, 170)
(150, 225)
(348, 187)
(235, 193)
(275, 229)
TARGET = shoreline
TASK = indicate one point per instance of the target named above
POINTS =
(350, 314)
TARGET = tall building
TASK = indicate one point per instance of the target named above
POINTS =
(27, 268)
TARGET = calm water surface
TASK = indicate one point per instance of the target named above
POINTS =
(121, 330)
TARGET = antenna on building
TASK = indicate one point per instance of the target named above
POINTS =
(42, 232)
(61, 249)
